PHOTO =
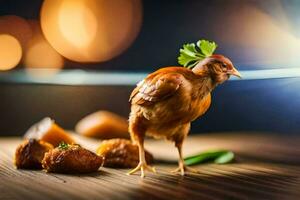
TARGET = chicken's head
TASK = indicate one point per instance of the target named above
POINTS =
(218, 67)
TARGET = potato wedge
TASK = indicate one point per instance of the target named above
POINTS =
(103, 125)
(47, 130)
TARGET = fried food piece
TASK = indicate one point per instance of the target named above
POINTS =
(70, 159)
(48, 131)
(30, 153)
(121, 153)
(103, 125)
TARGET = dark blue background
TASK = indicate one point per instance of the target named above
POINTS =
(248, 105)
(256, 105)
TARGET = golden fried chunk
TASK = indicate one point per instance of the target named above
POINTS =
(121, 153)
(48, 131)
(70, 159)
(30, 154)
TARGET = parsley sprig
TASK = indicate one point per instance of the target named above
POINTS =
(191, 54)
(63, 146)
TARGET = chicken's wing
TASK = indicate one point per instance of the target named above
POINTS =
(156, 88)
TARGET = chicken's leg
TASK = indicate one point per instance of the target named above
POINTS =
(142, 164)
(137, 135)
(182, 168)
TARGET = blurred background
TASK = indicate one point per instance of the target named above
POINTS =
(67, 58)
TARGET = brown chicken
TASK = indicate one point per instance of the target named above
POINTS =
(164, 104)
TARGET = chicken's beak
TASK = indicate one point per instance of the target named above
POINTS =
(235, 72)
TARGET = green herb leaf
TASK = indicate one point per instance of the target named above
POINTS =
(217, 156)
(63, 146)
(226, 157)
(207, 47)
(190, 54)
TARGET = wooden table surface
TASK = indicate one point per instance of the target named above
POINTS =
(267, 167)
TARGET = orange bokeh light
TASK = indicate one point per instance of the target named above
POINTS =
(85, 30)
(17, 27)
(42, 55)
(91, 30)
(39, 54)
(10, 52)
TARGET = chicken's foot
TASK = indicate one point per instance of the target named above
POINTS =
(142, 166)
(182, 168)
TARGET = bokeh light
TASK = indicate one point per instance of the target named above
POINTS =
(17, 27)
(91, 30)
(10, 52)
(262, 38)
(85, 30)
(40, 54)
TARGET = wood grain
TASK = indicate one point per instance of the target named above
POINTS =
(267, 167)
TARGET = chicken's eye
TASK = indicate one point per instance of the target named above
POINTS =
(224, 67)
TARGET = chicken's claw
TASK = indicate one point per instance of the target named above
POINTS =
(142, 166)
(183, 168)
